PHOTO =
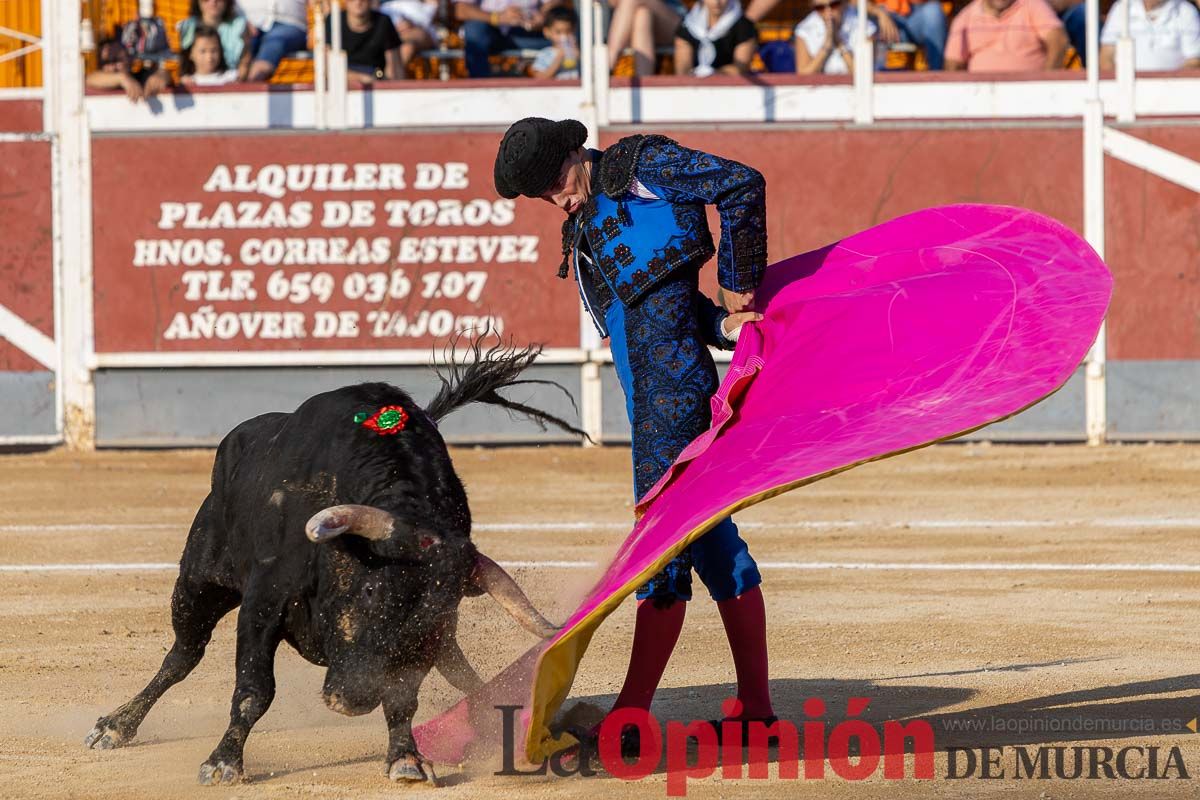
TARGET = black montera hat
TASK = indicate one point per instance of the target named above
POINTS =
(532, 153)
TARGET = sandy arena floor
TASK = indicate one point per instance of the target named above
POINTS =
(976, 645)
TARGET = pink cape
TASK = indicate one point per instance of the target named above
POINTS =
(913, 332)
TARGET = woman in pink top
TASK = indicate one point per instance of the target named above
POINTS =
(1006, 36)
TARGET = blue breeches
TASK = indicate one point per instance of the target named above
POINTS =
(668, 377)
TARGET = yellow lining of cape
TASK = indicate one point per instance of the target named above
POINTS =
(558, 663)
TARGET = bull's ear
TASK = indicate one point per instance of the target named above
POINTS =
(365, 521)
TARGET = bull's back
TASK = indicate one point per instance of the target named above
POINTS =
(213, 553)
(274, 471)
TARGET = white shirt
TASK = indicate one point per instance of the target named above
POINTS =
(265, 13)
(639, 190)
(415, 12)
(811, 31)
(1161, 41)
(215, 79)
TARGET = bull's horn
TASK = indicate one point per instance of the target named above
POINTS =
(490, 577)
(369, 523)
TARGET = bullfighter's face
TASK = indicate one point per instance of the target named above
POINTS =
(574, 183)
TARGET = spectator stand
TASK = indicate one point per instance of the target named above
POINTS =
(20, 45)
(20, 65)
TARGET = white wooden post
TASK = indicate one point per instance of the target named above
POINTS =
(320, 73)
(336, 71)
(66, 117)
(864, 70)
(1095, 388)
(1126, 67)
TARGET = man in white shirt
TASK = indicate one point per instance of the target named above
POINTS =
(277, 27)
(1165, 33)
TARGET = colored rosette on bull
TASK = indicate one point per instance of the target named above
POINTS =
(387, 421)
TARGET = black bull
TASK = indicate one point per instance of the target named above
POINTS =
(352, 545)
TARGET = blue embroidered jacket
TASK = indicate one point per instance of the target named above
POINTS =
(635, 243)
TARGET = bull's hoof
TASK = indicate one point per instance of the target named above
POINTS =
(106, 736)
(218, 773)
(412, 768)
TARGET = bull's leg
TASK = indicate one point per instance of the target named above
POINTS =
(404, 762)
(195, 611)
(258, 637)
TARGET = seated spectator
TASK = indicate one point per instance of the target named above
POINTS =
(277, 27)
(643, 25)
(919, 22)
(715, 37)
(221, 16)
(146, 36)
(140, 79)
(1165, 33)
(561, 59)
(370, 40)
(1006, 36)
(825, 38)
(490, 26)
(203, 62)
(414, 23)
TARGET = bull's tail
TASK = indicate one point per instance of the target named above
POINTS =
(478, 379)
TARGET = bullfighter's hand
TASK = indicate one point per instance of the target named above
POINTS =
(736, 301)
(731, 326)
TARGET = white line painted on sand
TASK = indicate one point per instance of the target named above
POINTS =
(85, 527)
(803, 524)
(897, 566)
(979, 567)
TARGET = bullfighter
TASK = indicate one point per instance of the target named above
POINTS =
(637, 235)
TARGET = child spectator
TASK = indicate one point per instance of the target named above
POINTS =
(1165, 33)
(490, 26)
(221, 16)
(825, 38)
(561, 59)
(277, 27)
(715, 37)
(1006, 36)
(414, 24)
(370, 40)
(140, 79)
(643, 25)
(203, 63)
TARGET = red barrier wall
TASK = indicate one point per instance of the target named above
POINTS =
(823, 184)
(1153, 248)
(21, 116)
(826, 184)
(210, 243)
(26, 254)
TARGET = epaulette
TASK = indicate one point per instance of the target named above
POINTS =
(618, 165)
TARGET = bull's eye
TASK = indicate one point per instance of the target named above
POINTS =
(368, 591)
